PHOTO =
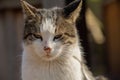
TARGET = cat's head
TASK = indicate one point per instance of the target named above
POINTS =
(50, 33)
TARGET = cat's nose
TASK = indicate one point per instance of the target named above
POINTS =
(47, 49)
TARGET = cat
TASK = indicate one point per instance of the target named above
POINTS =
(51, 48)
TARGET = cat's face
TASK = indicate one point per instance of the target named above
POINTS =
(50, 33)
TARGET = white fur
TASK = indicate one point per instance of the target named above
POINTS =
(33, 68)
(60, 66)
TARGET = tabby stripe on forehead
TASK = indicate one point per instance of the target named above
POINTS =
(55, 16)
(30, 29)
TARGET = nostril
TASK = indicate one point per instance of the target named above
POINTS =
(47, 49)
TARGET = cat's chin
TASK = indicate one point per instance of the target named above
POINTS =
(48, 58)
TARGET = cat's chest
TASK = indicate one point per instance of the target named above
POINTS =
(69, 70)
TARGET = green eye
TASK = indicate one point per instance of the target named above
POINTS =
(57, 37)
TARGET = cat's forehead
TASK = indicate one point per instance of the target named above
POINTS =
(52, 13)
(48, 19)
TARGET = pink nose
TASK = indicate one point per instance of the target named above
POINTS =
(47, 49)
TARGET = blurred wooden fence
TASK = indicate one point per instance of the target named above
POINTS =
(11, 25)
(112, 30)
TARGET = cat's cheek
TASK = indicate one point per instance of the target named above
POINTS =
(38, 47)
(58, 47)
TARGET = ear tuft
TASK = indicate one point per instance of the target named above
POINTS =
(72, 10)
(28, 9)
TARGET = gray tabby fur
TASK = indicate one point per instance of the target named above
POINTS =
(40, 24)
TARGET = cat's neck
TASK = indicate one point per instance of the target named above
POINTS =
(69, 66)
(33, 61)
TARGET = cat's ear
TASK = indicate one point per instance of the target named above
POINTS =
(28, 9)
(71, 11)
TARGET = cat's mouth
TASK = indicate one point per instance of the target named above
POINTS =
(48, 56)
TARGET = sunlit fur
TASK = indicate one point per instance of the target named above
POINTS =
(62, 63)
(58, 66)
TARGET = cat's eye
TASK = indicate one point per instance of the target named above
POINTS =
(57, 37)
(38, 37)
(33, 37)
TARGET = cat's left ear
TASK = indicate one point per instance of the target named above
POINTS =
(28, 9)
(71, 12)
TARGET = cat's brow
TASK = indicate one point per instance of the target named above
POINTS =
(30, 27)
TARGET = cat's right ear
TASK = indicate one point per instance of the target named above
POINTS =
(28, 9)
